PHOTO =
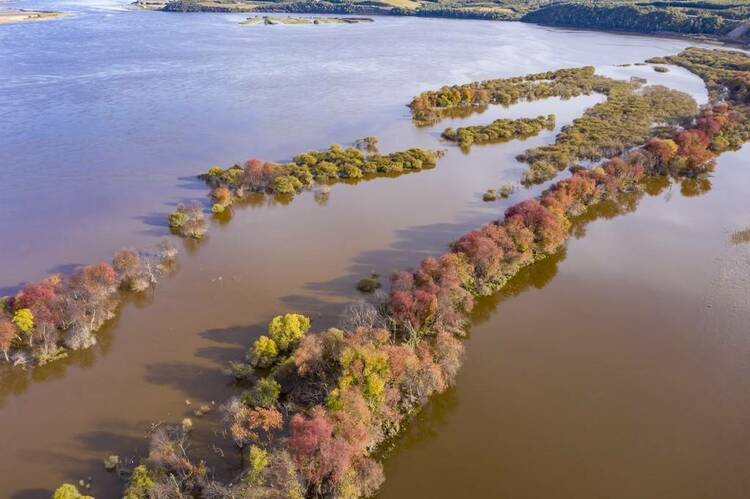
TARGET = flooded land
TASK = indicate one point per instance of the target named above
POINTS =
(615, 368)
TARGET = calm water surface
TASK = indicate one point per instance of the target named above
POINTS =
(615, 379)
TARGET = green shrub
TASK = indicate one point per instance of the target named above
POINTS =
(286, 184)
(215, 171)
(368, 284)
(264, 394)
(177, 219)
(490, 195)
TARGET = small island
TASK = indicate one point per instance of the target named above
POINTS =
(273, 20)
(10, 16)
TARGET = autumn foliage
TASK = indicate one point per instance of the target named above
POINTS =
(323, 403)
(331, 165)
(61, 313)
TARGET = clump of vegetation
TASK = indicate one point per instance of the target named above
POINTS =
(461, 100)
(58, 313)
(369, 284)
(264, 394)
(333, 164)
(68, 491)
(221, 198)
(489, 195)
(504, 192)
(284, 332)
(284, 180)
(626, 119)
(111, 462)
(499, 131)
(661, 69)
(188, 221)
(368, 144)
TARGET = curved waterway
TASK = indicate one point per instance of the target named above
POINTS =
(622, 376)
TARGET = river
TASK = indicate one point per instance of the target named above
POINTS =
(617, 371)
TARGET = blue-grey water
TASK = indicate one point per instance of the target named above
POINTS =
(107, 115)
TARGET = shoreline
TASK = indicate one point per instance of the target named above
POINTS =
(457, 15)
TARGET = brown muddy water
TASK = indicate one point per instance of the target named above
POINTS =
(616, 370)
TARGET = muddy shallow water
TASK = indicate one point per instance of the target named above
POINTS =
(613, 378)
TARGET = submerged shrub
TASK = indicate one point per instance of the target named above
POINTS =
(188, 221)
(489, 195)
(177, 219)
(369, 284)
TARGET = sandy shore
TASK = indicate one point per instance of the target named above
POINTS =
(9, 16)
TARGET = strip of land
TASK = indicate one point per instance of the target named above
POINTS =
(274, 20)
(11, 16)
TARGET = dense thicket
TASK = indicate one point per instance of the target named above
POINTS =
(624, 120)
(328, 166)
(636, 18)
(60, 313)
(461, 100)
(726, 72)
(499, 130)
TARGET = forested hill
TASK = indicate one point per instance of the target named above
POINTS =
(635, 18)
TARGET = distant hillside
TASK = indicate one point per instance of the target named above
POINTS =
(636, 17)
(714, 18)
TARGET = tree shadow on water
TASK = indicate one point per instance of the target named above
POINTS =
(73, 464)
(410, 247)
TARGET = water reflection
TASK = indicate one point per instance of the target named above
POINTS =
(533, 277)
